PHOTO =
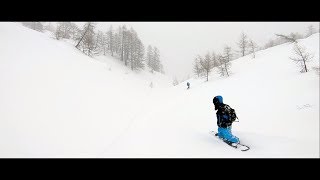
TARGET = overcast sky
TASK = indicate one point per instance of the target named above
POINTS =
(180, 42)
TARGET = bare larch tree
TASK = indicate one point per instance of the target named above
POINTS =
(301, 57)
(252, 48)
(206, 65)
(197, 67)
(243, 43)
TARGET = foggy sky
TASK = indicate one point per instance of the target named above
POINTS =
(180, 42)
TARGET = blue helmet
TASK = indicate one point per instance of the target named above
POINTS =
(217, 100)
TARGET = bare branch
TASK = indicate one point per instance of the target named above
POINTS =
(288, 38)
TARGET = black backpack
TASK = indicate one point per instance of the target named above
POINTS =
(231, 113)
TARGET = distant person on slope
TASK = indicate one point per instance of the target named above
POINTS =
(225, 117)
(188, 84)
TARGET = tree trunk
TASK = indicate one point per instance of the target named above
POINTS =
(125, 59)
(225, 67)
(83, 36)
(207, 75)
(305, 66)
(122, 51)
(131, 65)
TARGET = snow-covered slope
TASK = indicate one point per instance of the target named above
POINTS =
(57, 102)
(277, 106)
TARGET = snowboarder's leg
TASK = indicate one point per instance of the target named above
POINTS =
(225, 134)
(221, 132)
(231, 137)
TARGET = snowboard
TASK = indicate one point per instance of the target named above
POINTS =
(238, 146)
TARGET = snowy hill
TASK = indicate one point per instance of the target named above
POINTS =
(57, 102)
(277, 106)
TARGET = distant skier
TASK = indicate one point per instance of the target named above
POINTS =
(225, 117)
(188, 84)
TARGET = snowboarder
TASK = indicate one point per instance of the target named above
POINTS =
(225, 117)
(188, 84)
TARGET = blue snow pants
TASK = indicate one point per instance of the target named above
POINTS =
(225, 133)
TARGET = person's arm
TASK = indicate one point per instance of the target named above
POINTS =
(218, 118)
